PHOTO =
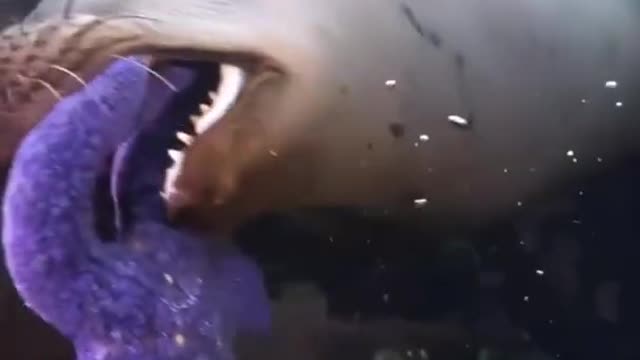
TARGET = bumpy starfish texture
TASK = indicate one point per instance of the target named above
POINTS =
(151, 292)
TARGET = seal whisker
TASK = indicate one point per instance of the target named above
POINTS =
(69, 72)
(9, 95)
(127, 16)
(47, 85)
(151, 71)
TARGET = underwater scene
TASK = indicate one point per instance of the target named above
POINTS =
(319, 179)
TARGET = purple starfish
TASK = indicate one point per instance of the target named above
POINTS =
(151, 292)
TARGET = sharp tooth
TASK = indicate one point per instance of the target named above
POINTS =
(170, 178)
(184, 137)
(176, 155)
(232, 80)
(204, 108)
(194, 120)
(213, 95)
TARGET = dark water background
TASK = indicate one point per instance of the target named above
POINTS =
(558, 281)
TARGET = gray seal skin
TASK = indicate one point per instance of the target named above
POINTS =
(463, 109)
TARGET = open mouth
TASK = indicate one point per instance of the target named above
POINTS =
(216, 88)
(182, 101)
(194, 108)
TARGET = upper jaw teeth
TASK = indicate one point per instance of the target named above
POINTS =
(232, 80)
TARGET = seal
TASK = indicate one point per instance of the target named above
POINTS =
(453, 111)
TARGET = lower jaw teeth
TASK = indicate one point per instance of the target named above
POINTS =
(184, 138)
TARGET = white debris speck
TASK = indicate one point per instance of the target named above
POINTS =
(619, 104)
(273, 153)
(611, 84)
(599, 159)
(519, 203)
(526, 299)
(168, 278)
(219, 342)
(385, 298)
(179, 339)
(505, 170)
(584, 101)
(390, 83)
(540, 272)
(458, 120)
(424, 138)
(570, 153)
(420, 202)
(575, 160)
(409, 353)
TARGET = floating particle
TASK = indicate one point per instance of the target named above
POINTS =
(168, 278)
(385, 298)
(423, 354)
(540, 272)
(420, 202)
(409, 353)
(390, 83)
(458, 120)
(179, 339)
(611, 84)
(424, 138)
